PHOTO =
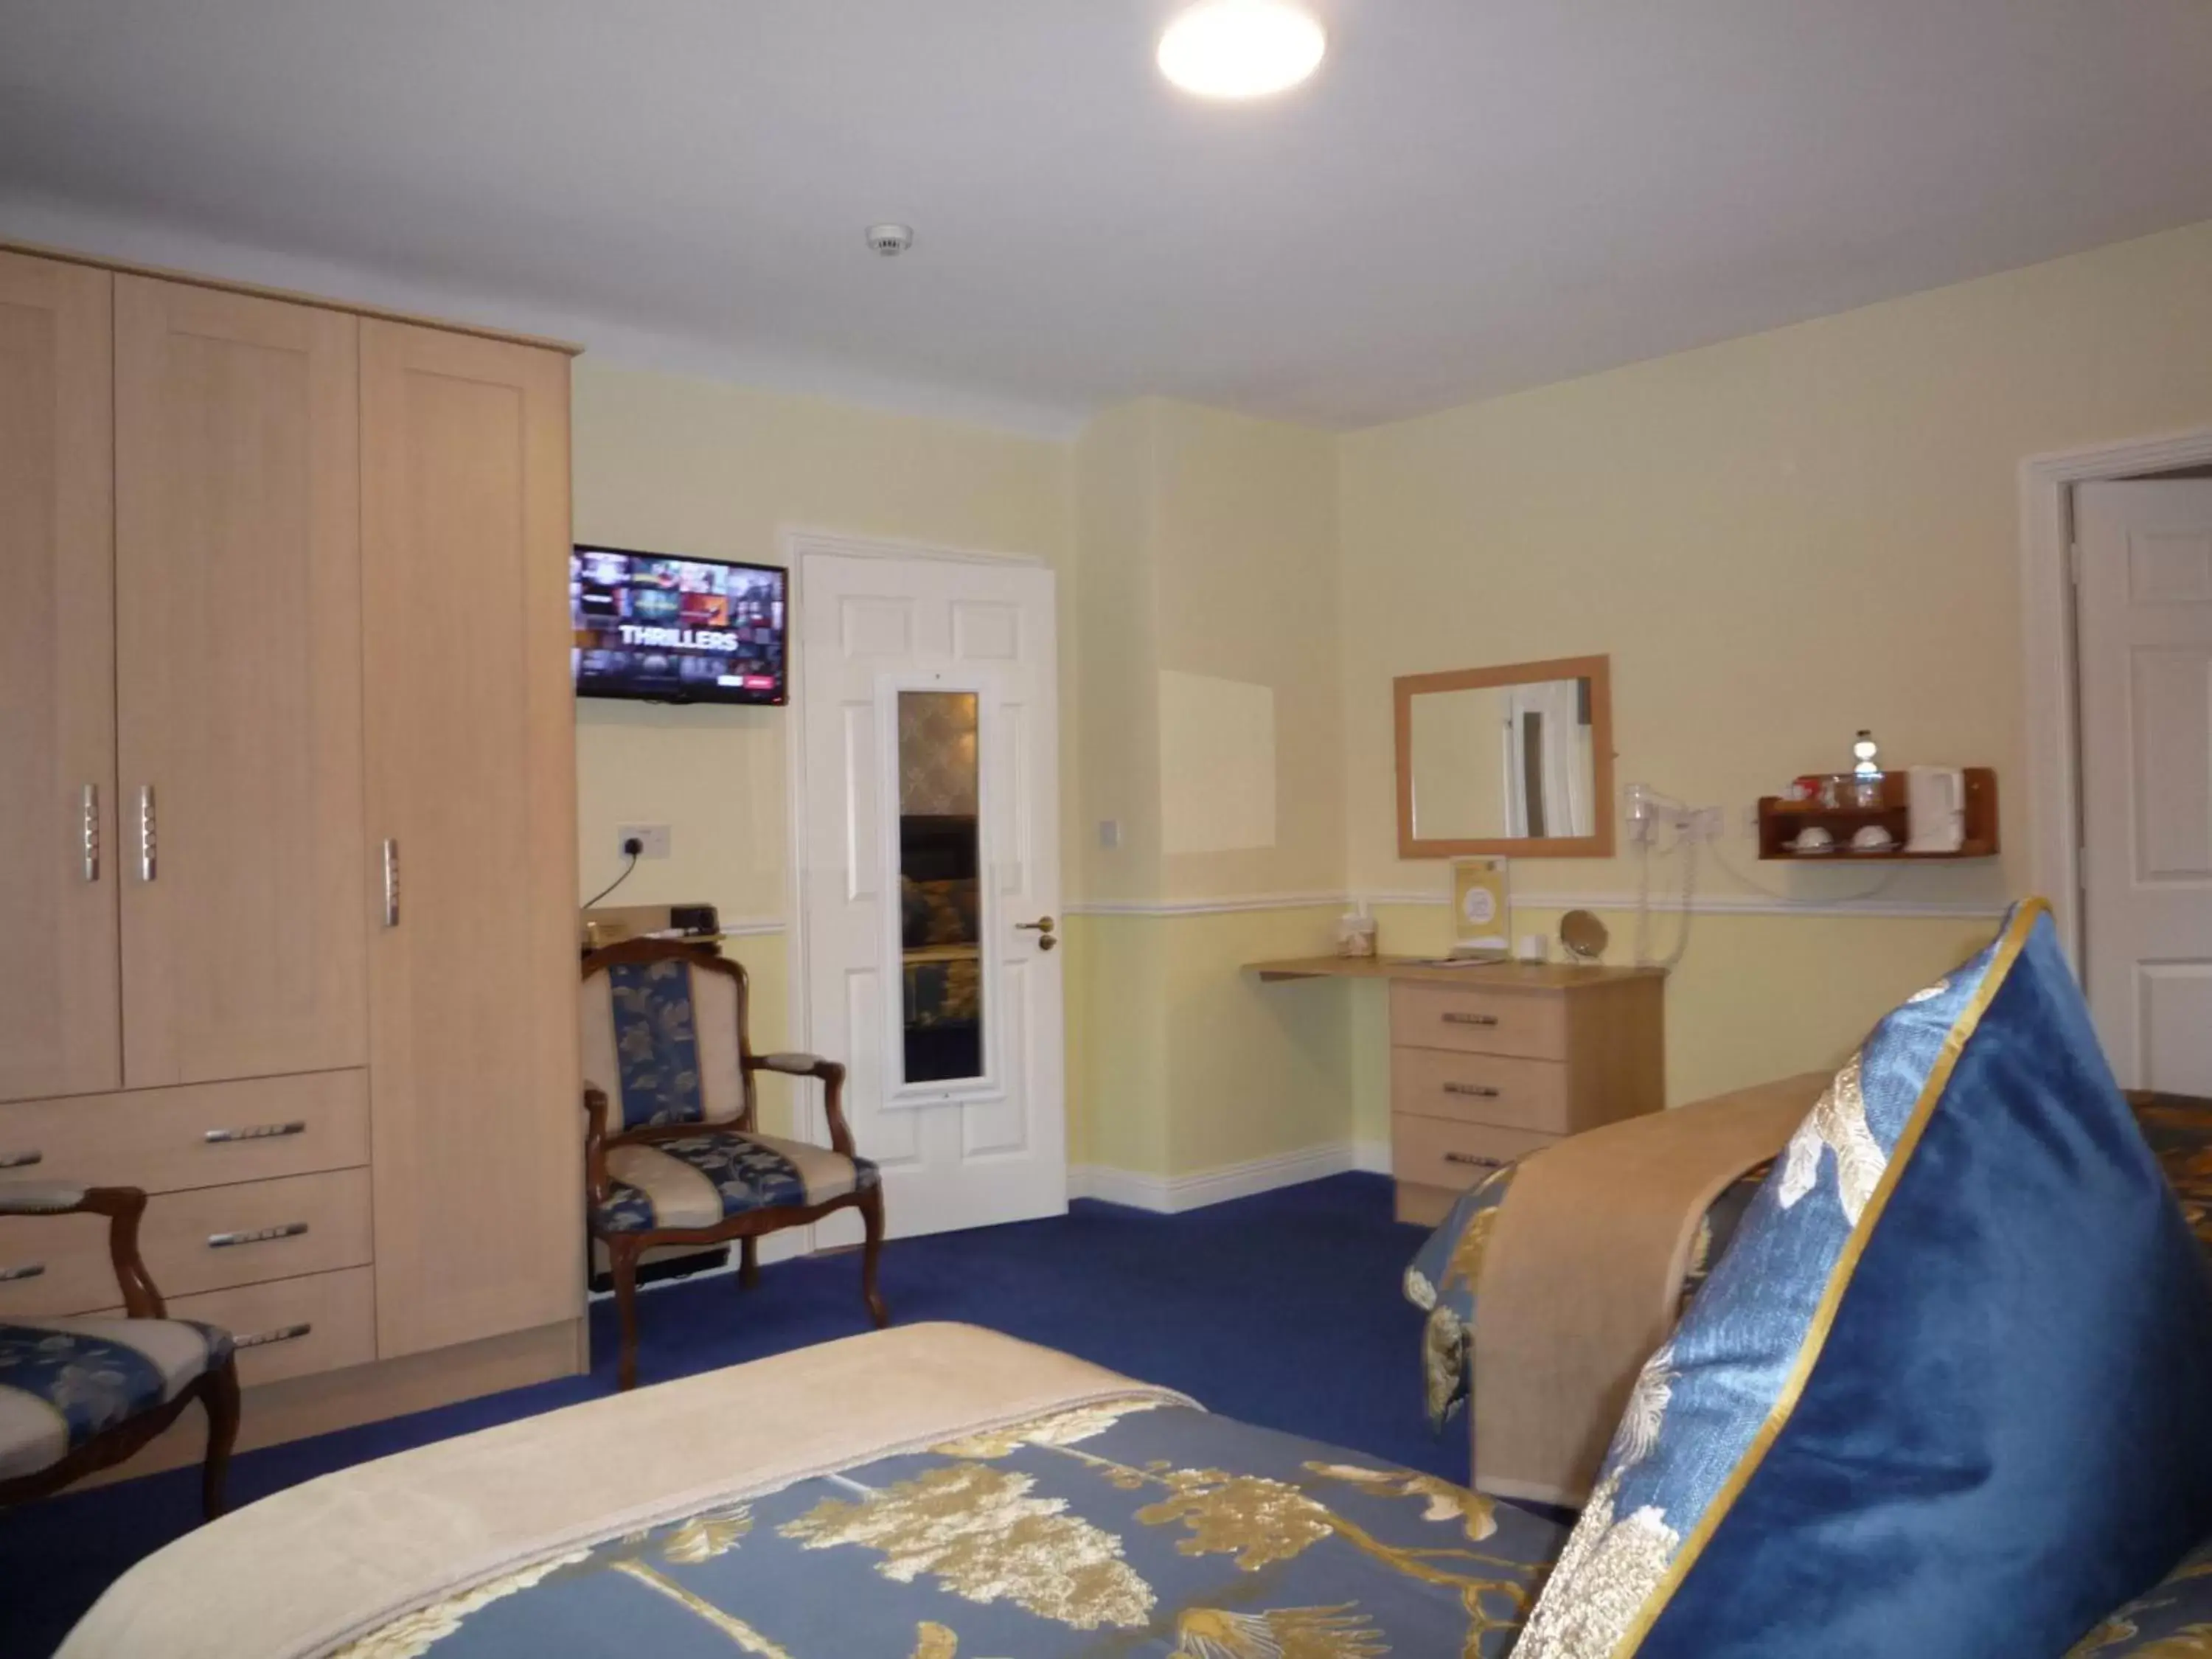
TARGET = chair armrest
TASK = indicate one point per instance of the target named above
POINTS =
(40, 1198)
(796, 1065)
(122, 1205)
(832, 1074)
(595, 1143)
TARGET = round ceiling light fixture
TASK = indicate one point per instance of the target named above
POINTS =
(1241, 48)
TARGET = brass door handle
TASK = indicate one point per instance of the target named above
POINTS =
(1042, 928)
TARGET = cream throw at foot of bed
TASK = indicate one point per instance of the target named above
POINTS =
(302, 1573)
(1582, 1278)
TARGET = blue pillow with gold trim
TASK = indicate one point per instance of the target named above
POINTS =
(1944, 1395)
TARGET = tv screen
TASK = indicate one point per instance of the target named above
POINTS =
(677, 630)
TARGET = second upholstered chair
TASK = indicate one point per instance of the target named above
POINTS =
(673, 1154)
(78, 1395)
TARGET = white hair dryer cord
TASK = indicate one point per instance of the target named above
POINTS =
(1688, 845)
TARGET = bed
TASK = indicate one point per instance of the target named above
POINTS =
(937, 1491)
(1446, 1276)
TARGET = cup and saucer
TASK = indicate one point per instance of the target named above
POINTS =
(1812, 840)
(1872, 838)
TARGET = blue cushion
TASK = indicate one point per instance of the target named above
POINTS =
(64, 1382)
(701, 1180)
(2168, 1621)
(656, 1043)
(1944, 1394)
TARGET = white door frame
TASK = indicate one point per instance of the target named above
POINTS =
(797, 543)
(2052, 654)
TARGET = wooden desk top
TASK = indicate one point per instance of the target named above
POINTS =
(1490, 975)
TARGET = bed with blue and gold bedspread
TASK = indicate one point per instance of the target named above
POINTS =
(931, 1493)
(1444, 1275)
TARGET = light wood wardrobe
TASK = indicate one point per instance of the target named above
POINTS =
(287, 842)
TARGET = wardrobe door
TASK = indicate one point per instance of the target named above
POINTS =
(58, 1032)
(472, 809)
(238, 636)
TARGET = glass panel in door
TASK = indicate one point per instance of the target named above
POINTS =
(940, 887)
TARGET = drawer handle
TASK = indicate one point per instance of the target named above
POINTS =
(1476, 1160)
(23, 1160)
(1474, 1091)
(266, 1338)
(1470, 1019)
(28, 1270)
(255, 1132)
(258, 1235)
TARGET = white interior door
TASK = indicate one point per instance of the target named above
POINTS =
(930, 878)
(2145, 666)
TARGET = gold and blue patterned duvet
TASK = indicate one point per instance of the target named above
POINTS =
(1131, 1527)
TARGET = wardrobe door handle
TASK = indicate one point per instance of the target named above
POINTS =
(23, 1160)
(146, 863)
(90, 809)
(1474, 1091)
(1470, 1019)
(391, 883)
(27, 1270)
(267, 1339)
(258, 1236)
(1475, 1159)
(254, 1132)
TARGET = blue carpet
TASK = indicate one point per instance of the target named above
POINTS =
(1282, 1310)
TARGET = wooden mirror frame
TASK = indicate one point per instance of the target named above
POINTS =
(1598, 671)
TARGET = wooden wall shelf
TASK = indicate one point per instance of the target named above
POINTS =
(1780, 821)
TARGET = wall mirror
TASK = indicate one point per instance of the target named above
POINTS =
(1516, 760)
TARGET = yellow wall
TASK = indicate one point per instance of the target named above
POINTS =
(1778, 539)
(1207, 555)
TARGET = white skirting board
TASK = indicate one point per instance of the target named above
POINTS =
(1172, 1194)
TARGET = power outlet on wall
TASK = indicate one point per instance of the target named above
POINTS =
(654, 838)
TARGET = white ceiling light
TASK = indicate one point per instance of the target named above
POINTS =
(1241, 48)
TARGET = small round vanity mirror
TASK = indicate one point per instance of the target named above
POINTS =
(1584, 935)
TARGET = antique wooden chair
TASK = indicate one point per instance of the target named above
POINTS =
(673, 1155)
(79, 1394)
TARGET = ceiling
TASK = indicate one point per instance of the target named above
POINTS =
(1472, 196)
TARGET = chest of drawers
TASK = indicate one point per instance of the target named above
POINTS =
(1489, 1064)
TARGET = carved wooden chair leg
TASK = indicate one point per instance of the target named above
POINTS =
(622, 1261)
(219, 1397)
(748, 1263)
(871, 1217)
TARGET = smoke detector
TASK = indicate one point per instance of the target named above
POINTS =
(890, 241)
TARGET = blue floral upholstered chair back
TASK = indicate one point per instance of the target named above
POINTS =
(666, 1040)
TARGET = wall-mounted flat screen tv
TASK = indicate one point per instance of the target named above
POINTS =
(663, 629)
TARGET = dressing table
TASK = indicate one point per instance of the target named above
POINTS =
(1491, 1062)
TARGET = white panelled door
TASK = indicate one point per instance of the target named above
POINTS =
(2145, 666)
(930, 878)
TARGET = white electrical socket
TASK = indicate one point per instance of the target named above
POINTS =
(1110, 832)
(654, 837)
